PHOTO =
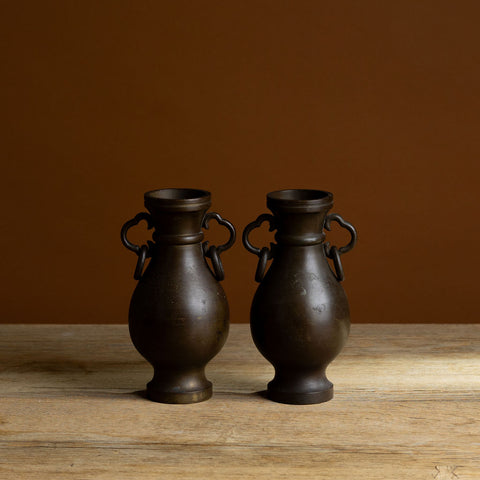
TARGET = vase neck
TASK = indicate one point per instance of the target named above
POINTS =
(177, 215)
(300, 215)
(300, 229)
(179, 228)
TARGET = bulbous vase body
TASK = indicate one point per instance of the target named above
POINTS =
(300, 316)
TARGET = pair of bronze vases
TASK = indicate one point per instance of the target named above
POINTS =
(179, 314)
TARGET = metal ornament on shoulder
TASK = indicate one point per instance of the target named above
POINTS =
(179, 314)
(300, 317)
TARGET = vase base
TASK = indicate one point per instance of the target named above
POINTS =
(295, 398)
(179, 397)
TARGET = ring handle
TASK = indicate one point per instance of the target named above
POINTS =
(265, 253)
(143, 251)
(142, 256)
(213, 252)
(334, 252)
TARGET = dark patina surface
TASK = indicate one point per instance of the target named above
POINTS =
(179, 315)
(300, 317)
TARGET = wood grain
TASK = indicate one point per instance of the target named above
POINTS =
(406, 405)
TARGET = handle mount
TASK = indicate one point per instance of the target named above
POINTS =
(213, 252)
(264, 254)
(143, 251)
(333, 252)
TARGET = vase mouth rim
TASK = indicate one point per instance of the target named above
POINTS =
(177, 198)
(174, 195)
(300, 198)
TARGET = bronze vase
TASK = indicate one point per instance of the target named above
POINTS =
(299, 317)
(179, 315)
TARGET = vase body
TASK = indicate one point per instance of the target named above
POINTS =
(179, 314)
(300, 316)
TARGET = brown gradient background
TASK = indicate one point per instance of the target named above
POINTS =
(377, 102)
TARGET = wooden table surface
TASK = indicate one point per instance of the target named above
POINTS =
(406, 406)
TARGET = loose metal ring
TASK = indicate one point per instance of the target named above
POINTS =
(334, 254)
(142, 256)
(212, 253)
(263, 258)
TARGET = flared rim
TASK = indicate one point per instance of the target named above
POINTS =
(300, 198)
(175, 195)
(177, 199)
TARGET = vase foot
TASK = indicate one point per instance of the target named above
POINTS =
(300, 398)
(179, 397)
